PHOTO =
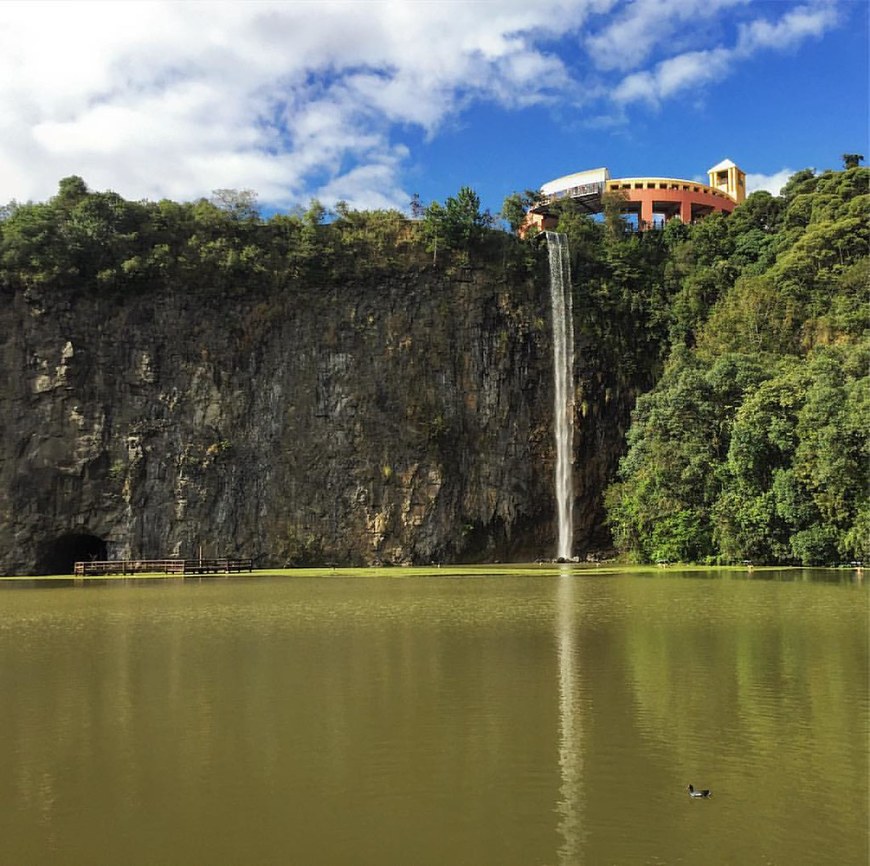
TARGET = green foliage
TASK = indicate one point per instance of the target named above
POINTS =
(515, 207)
(71, 190)
(801, 182)
(83, 242)
(623, 293)
(458, 224)
(671, 475)
(775, 468)
(760, 211)
(612, 203)
(366, 241)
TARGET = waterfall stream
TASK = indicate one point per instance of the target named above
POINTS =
(563, 387)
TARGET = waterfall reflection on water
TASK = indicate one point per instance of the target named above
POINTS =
(571, 796)
(563, 386)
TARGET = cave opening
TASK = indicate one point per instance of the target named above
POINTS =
(59, 555)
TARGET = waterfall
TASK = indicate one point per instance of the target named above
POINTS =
(563, 386)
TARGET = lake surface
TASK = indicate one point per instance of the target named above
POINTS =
(434, 720)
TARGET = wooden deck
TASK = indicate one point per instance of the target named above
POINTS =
(182, 567)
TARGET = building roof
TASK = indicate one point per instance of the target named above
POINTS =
(726, 163)
(578, 178)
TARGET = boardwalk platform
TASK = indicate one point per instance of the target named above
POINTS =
(97, 568)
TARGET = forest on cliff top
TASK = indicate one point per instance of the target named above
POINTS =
(753, 445)
(745, 336)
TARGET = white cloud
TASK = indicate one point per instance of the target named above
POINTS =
(295, 99)
(694, 69)
(370, 186)
(674, 75)
(627, 41)
(793, 28)
(184, 97)
(772, 183)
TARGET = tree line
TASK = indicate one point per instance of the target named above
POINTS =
(84, 240)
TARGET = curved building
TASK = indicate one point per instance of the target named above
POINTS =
(652, 200)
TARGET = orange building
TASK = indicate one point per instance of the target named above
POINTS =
(650, 199)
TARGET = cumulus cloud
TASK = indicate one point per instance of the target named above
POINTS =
(298, 99)
(790, 30)
(641, 27)
(175, 98)
(670, 77)
(694, 69)
(772, 183)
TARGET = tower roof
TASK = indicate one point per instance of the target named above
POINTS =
(726, 163)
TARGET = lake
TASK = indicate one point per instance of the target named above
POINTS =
(534, 719)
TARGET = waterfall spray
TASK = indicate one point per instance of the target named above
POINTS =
(563, 386)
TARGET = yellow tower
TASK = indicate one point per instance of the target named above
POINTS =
(728, 178)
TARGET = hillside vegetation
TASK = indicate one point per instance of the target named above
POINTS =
(82, 241)
(753, 443)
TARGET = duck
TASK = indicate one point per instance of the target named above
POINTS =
(705, 794)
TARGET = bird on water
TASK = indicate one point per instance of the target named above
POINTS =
(704, 794)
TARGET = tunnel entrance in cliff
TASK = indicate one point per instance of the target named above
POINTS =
(59, 555)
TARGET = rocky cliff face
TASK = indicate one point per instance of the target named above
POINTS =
(406, 419)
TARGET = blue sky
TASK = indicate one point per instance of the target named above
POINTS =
(372, 101)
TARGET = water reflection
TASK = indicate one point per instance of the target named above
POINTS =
(548, 719)
(571, 792)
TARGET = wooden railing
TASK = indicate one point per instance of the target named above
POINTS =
(95, 568)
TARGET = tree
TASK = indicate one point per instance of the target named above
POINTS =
(458, 224)
(670, 478)
(517, 205)
(803, 181)
(416, 205)
(751, 516)
(760, 211)
(70, 191)
(783, 282)
(613, 203)
(797, 478)
(315, 214)
(101, 231)
(465, 221)
(240, 204)
(852, 160)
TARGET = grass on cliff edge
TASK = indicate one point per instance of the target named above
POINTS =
(497, 570)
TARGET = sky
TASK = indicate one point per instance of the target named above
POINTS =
(371, 102)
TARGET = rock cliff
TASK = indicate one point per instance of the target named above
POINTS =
(401, 418)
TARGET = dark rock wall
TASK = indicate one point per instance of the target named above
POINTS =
(403, 420)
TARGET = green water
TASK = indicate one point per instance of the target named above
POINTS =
(436, 720)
